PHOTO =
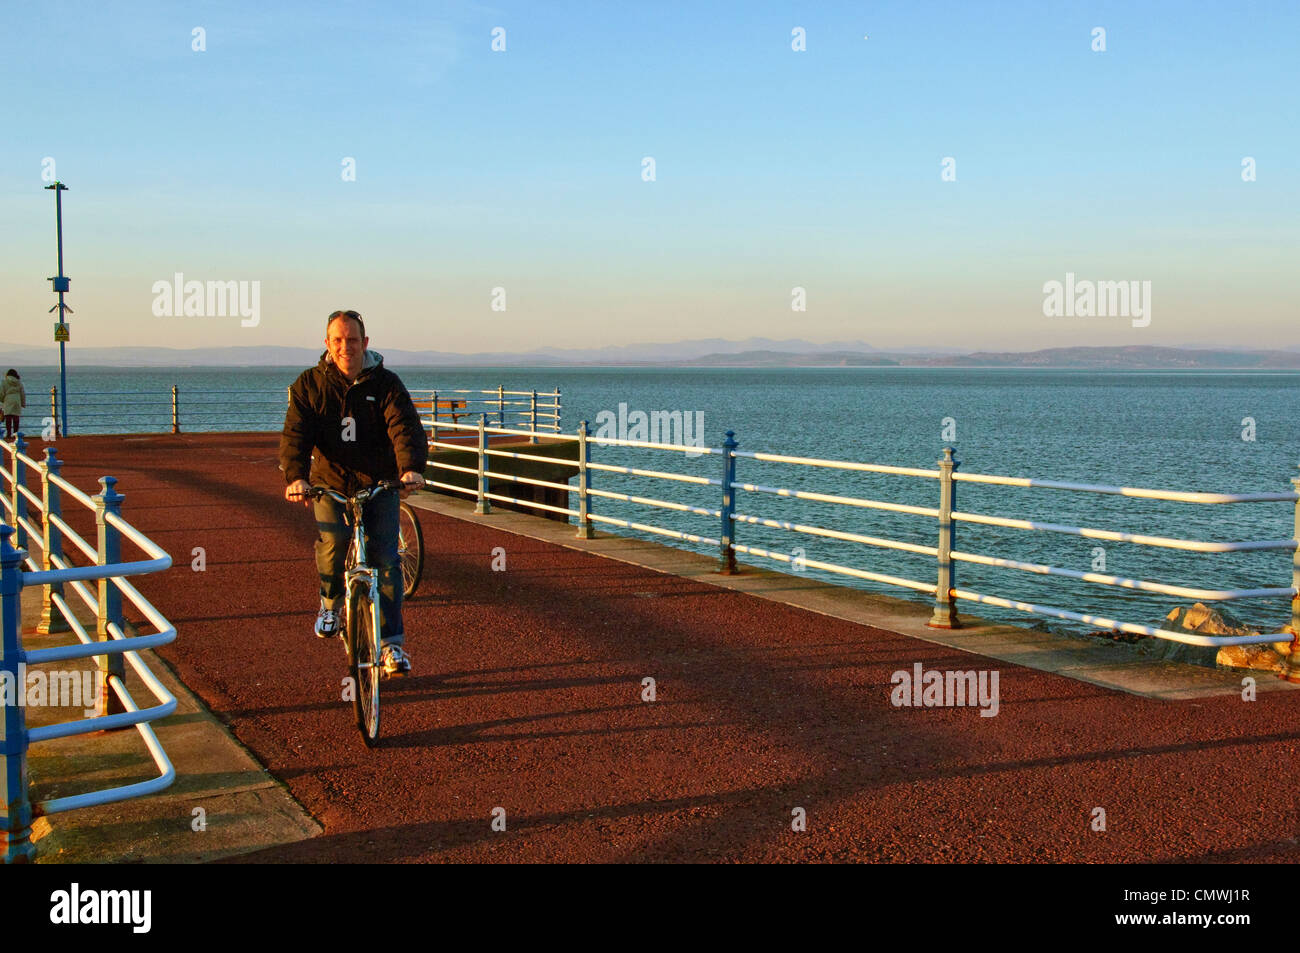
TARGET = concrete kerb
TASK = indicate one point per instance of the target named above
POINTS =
(1110, 665)
(223, 803)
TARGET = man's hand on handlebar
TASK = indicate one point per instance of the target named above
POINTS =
(298, 492)
(411, 481)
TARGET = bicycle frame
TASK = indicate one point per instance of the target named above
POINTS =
(361, 569)
(364, 662)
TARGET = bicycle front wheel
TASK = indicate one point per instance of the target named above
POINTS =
(363, 659)
(410, 550)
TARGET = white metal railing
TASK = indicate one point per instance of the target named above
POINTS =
(439, 405)
(110, 641)
(942, 587)
(198, 409)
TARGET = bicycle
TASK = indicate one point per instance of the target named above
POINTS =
(361, 611)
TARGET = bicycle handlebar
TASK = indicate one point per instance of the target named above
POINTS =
(360, 496)
(316, 492)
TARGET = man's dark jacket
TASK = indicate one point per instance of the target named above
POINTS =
(388, 437)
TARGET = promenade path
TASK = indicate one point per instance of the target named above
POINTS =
(527, 695)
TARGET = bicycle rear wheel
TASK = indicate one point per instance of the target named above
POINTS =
(363, 662)
(410, 549)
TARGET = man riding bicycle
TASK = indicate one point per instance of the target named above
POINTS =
(358, 418)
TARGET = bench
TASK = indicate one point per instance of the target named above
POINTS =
(453, 408)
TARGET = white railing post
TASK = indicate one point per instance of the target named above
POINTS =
(584, 484)
(945, 609)
(52, 619)
(483, 506)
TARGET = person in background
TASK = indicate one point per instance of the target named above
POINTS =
(14, 399)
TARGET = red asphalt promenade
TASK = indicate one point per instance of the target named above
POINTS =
(527, 696)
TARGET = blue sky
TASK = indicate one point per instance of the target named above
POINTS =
(522, 169)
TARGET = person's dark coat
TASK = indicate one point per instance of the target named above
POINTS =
(384, 440)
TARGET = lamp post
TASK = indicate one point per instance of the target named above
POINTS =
(61, 282)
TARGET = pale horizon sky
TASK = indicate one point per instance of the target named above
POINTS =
(775, 169)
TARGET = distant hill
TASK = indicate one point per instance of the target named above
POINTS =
(653, 353)
(784, 359)
(1136, 357)
(682, 354)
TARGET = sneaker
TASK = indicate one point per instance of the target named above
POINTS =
(327, 623)
(397, 664)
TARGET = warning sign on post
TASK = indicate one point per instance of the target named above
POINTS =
(61, 332)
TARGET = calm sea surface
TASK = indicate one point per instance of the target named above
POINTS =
(1171, 430)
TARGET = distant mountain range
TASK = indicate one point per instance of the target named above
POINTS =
(709, 352)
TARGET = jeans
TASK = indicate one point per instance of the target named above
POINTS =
(380, 518)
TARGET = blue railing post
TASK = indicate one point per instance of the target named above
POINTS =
(51, 545)
(483, 505)
(107, 501)
(19, 475)
(176, 409)
(1292, 673)
(18, 846)
(533, 437)
(501, 405)
(945, 609)
(558, 411)
(727, 555)
(584, 483)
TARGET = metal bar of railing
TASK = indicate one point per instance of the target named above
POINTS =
(535, 457)
(16, 483)
(51, 543)
(1136, 492)
(944, 590)
(657, 474)
(845, 500)
(454, 467)
(1121, 582)
(531, 481)
(840, 534)
(840, 464)
(531, 503)
(451, 486)
(110, 644)
(658, 530)
(842, 570)
(662, 504)
(493, 391)
(1191, 545)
